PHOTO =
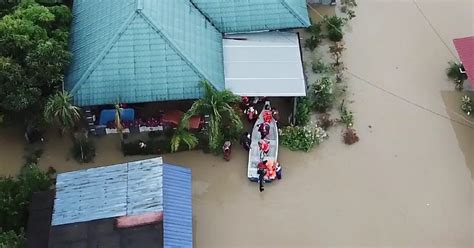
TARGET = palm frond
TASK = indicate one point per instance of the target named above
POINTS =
(209, 90)
(229, 97)
(59, 109)
(183, 136)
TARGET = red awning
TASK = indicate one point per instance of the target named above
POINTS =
(174, 116)
(465, 48)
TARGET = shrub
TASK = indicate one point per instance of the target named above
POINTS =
(347, 117)
(453, 71)
(335, 35)
(336, 52)
(349, 3)
(315, 28)
(11, 239)
(33, 155)
(346, 7)
(316, 36)
(303, 111)
(153, 147)
(83, 150)
(323, 94)
(334, 26)
(466, 105)
(319, 66)
(312, 42)
(325, 121)
(350, 136)
(15, 196)
(302, 138)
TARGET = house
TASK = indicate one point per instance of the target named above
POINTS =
(137, 204)
(465, 49)
(138, 51)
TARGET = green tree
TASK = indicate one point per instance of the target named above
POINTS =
(219, 105)
(59, 110)
(15, 194)
(33, 54)
(11, 239)
(16, 93)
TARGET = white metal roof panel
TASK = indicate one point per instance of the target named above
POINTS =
(264, 64)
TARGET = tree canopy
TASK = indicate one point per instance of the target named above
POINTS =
(33, 54)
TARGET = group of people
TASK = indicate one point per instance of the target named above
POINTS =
(248, 106)
(268, 170)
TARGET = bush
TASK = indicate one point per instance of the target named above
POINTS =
(349, 3)
(347, 117)
(312, 42)
(33, 155)
(11, 239)
(153, 147)
(335, 35)
(15, 196)
(350, 136)
(453, 71)
(466, 105)
(334, 26)
(303, 111)
(325, 121)
(319, 66)
(316, 36)
(346, 7)
(323, 94)
(83, 150)
(298, 138)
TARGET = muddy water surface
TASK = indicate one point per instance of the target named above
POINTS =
(407, 183)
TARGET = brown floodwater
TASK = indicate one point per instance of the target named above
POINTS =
(407, 183)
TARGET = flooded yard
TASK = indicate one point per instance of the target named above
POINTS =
(407, 183)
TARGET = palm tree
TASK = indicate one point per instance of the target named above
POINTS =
(59, 110)
(218, 105)
(180, 136)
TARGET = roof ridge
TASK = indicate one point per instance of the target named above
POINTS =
(165, 36)
(206, 16)
(293, 12)
(104, 52)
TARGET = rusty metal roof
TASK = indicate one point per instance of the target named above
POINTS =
(465, 48)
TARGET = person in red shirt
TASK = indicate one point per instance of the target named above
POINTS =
(264, 146)
(252, 114)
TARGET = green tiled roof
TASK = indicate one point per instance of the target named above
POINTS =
(237, 16)
(141, 51)
(135, 51)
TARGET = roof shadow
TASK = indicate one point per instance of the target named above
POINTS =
(463, 130)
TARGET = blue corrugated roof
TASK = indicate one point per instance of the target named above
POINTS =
(141, 51)
(237, 16)
(177, 207)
